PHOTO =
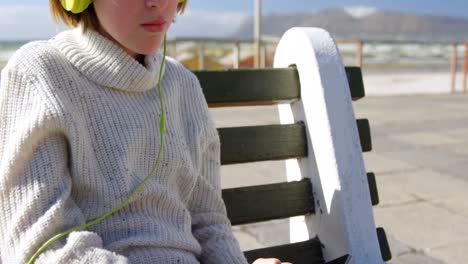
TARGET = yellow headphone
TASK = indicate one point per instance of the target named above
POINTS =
(78, 6)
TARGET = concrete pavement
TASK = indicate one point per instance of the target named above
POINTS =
(420, 157)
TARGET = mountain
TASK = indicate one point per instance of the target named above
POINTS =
(367, 24)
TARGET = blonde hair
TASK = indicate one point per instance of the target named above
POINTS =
(87, 19)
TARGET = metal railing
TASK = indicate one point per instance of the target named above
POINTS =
(266, 43)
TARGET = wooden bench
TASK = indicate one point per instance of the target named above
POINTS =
(322, 143)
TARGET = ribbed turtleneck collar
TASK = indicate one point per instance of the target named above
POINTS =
(106, 63)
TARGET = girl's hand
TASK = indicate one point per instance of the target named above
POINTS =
(269, 261)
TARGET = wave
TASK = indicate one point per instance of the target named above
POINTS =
(7, 49)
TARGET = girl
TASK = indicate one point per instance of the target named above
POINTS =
(78, 133)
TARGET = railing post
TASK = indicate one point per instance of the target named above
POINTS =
(453, 67)
(360, 46)
(257, 32)
(262, 55)
(201, 56)
(465, 67)
(236, 55)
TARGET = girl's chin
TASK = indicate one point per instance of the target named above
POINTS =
(149, 50)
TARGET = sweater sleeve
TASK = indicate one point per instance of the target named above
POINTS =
(210, 224)
(35, 181)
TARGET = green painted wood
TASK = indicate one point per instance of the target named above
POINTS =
(295, 198)
(235, 87)
(260, 143)
(355, 81)
(308, 252)
(364, 134)
(249, 86)
(272, 142)
(383, 243)
(374, 194)
(267, 202)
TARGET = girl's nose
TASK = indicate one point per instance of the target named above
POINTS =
(156, 3)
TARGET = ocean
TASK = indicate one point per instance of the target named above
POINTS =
(7, 48)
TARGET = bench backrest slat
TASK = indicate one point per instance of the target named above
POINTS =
(364, 134)
(260, 143)
(267, 202)
(373, 188)
(383, 244)
(242, 87)
(273, 142)
(306, 252)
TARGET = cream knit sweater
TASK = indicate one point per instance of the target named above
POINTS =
(78, 131)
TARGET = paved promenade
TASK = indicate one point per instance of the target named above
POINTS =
(420, 158)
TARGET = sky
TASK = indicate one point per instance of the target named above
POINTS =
(222, 17)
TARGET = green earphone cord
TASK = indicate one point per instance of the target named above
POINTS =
(134, 191)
